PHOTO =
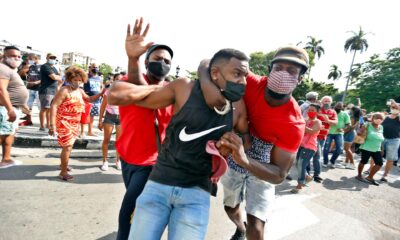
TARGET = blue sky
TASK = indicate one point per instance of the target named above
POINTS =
(197, 29)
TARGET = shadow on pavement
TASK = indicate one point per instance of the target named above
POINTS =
(345, 183)
(395, 184)
(110, 236)
(31, 172)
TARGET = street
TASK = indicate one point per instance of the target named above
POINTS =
(35, 204)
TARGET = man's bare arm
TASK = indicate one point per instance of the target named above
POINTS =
(5, 100)
(122, 93)
(274, 172)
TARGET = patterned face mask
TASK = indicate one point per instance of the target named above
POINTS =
(282, 82)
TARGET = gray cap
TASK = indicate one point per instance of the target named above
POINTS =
(312, 95)
(158, 46)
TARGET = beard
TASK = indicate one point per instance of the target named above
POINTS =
(275, 95)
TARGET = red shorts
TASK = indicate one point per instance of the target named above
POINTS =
(85, 117)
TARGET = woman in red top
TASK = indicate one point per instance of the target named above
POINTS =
(308, 146)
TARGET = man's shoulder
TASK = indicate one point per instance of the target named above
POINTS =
(252, 78)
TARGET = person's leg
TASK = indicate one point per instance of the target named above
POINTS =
(65, 153)
(152, 213)
(117, 134)
(42, 114)
(189, 216)
(378, 164)
(392, 146)
(107, 129)
(328, 143)
(135, 178)
(234, 187)
(365, 155)
(47, 118)
(7, 143)
(259, 198)
(338, 147)
(316, 162)
(90, 126)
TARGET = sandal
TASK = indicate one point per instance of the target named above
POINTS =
(66, 177)
(372, 181)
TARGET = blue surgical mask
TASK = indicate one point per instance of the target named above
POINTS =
(31, 62)
(51, 61)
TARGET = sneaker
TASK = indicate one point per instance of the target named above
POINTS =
(9, 163)
(317, 179)
(118, 165)
(325, 165)
(331, 166)
(104, 167)
(25, 123)
(351, 166)
(239, 235)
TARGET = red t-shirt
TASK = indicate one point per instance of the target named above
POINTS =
(137, 144)
(325, 129)
(283, 126)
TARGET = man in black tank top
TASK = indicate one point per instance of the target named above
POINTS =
(178, 190)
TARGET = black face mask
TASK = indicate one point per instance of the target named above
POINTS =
(233, 91)
(338, 110)
(159, 69)
(95, 70)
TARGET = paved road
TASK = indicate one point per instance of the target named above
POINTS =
(34, 204)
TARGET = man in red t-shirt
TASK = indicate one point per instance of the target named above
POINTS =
(276, 127)
(143, 129)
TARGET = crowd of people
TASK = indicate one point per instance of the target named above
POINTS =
(176, 140)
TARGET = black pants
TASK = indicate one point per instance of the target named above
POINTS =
(135, 177)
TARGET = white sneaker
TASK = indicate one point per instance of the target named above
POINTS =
(104, 167)
(118, 165)
(325, 165)
(351, 166)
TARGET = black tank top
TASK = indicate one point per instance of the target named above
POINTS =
(183, 160)
(391, 128)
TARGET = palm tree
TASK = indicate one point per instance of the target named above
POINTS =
(315, 47)
(334, 72)
(355, 43)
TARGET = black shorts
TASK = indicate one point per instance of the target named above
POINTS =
(112, 119)
(376, 156)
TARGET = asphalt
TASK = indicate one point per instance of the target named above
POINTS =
(31, 136)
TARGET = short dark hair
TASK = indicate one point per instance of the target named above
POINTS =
(11, 48)
(225, 55)
(316, 105)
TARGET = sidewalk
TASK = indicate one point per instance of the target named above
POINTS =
(30, 136)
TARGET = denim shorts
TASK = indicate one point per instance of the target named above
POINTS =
(391, 147)
(6, 127)
(259, 194)
(349, 136)
(112, 119)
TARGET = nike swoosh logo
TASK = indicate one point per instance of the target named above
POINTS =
(184, 137)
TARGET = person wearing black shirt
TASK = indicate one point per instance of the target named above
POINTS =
(178, 190)
(391, 132)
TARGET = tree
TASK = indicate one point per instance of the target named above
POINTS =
(260, 62)
(379, 80)
(355, 43)
(105, 70)
(308, 85)
(315, 47)
(334, 72)
(83, 66)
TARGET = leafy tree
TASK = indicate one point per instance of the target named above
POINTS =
(105, 69)
(379, 80)
(260, 62)
(309, 85)
(334, 72)
(355, 43)
(315, 47)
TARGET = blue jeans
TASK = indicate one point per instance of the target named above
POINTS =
(304, 156)
(33, 95)
(316, 158)
(338, 138)
(184, 210)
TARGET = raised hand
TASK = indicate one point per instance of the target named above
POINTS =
(135, 44)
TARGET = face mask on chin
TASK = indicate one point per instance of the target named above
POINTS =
(159, 68)
(13, 62)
